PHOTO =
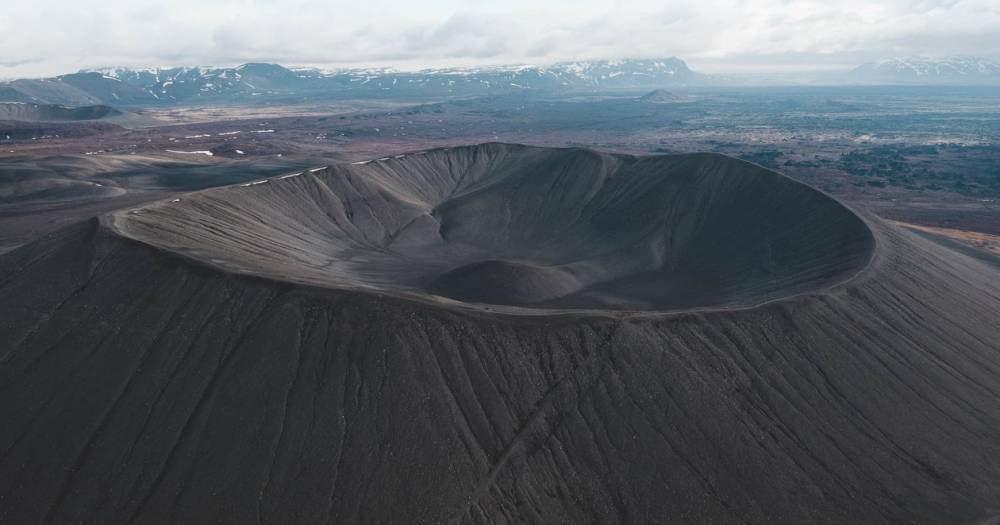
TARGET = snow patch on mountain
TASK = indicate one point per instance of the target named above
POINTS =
(957, 69)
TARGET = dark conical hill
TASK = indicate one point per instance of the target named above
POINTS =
(276, 353)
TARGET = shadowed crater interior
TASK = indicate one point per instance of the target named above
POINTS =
(523, 226)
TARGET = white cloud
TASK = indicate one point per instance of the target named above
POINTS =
(53, 36)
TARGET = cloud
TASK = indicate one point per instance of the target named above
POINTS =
(54, 36)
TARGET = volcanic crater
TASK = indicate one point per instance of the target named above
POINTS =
(509, 225)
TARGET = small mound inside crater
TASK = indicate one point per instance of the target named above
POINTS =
(505, 283)
(521, 226)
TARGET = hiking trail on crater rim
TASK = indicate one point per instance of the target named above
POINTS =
(494, 334)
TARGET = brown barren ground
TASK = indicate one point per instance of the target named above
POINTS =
(982, 241)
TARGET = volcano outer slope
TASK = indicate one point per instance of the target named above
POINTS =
(142, 385)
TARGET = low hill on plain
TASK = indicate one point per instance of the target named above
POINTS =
(24, 112)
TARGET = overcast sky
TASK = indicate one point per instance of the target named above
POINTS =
(46, 37)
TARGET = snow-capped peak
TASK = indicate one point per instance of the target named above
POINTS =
(932, 69)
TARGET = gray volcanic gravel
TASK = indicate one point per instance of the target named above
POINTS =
(498, 334)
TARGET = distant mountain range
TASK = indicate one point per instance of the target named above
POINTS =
(123, 86)
(271, 82)
(925, 70)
